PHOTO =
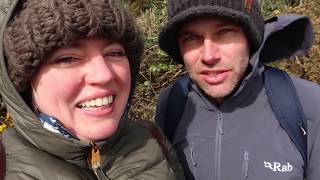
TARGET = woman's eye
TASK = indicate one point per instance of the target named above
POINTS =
(67, 60)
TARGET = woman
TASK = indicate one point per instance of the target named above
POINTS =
(67, 77)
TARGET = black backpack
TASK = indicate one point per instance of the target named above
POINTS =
(281, 93)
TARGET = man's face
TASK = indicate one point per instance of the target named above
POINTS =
(215, 52)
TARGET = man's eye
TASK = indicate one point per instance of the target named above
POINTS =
(116, 53)
(189, 38)
(226, 30)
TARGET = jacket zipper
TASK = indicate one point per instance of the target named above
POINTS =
(245, 169)
(94, 161)
(219, 133)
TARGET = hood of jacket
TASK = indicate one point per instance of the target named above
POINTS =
(285, 36)
(25, 120)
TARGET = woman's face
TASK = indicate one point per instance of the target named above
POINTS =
(85, 86)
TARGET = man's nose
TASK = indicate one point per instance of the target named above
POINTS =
(99, 71)
(210, 52)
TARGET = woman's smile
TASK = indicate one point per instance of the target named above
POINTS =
(91, 81)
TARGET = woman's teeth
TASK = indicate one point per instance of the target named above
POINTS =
(105, 101)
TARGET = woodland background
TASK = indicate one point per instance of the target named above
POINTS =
(158, 70)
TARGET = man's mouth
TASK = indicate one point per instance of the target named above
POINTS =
(214, 77)
(97, 102)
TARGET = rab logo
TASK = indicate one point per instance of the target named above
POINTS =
(278, 167)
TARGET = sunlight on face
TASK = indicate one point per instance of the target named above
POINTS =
(215, 52)
(85, 86)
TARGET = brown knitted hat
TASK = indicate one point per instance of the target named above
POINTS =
(40, 26)
(245, 12)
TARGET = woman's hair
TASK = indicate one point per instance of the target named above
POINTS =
(40, 26)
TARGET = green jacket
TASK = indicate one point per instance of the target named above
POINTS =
(33, 152)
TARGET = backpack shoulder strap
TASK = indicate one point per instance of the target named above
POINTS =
(2, 161)
(171, 106)
(165, 146)
(158, 135)
(286, 106)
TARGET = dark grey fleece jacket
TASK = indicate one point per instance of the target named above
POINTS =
(241, 138)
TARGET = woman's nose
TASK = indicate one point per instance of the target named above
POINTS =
(99, 71)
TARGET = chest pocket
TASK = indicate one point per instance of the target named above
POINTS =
(197, 156)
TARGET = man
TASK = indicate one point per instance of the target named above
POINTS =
(228, 129)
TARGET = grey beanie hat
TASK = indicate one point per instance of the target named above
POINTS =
(245, 12)
(40, 26)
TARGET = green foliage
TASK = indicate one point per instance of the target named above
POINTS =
(141, 6)
(5, 118)
(157, 68)
(272, 7)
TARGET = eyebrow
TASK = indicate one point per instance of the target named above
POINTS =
(74, 45)
(53, 55)
(185, 32)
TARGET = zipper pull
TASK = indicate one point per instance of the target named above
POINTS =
(94, 156)
(94, 161)
(304, 132)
